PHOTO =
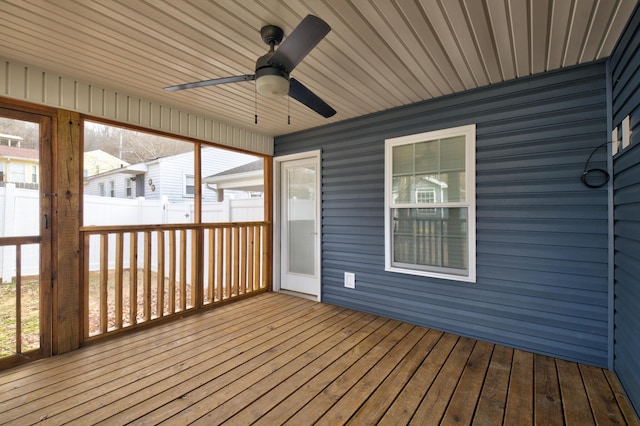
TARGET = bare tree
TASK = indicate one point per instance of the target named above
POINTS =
(131, 146)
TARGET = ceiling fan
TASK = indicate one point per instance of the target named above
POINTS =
(273, 68)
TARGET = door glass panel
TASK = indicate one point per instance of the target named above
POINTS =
(301, 220)
(19, 236)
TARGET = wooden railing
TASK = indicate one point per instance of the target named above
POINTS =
(137, 274)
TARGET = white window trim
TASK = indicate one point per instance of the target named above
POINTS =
(469, 132)
(184, 185)
(128, 187)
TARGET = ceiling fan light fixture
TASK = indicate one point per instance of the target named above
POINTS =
(272, 86)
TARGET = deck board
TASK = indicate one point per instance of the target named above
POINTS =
(278, 359)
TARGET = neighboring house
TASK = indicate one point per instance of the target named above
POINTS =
(247, 178)
(19, 165)
(98, 161)
(171, 177)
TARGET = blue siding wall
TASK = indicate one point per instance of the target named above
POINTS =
(541, 235)
(625, 64)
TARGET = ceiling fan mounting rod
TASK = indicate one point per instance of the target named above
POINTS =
(271, 35)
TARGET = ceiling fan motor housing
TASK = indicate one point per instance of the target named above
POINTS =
(271, 81)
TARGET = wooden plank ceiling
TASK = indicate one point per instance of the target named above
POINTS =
(380, 54)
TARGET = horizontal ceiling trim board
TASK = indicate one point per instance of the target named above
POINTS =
(33, 84)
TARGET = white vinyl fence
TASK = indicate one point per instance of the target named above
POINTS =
(19, 216)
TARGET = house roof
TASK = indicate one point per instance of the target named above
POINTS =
(247, 177)
(22, 153)
(98, 161)
(379, 54)
(257, 165)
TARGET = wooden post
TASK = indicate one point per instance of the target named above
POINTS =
(67, 164)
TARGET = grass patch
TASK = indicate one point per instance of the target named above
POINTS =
(30, 309)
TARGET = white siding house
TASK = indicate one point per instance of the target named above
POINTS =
(169, 178)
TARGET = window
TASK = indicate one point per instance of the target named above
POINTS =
(18, 172)
(112, 188)
(128, 185)
(101, 189)
(430, 204)
(426, 196)
(189, 186)
(34, 174)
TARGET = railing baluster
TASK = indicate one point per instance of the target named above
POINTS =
(160, 273)
(250, 261)
(133, 279)
(219, 260)
(194, 272)
(243, 259)
(18, 298)
(257, 257)
(119, 278)
(104, 281)
(227, 263)
(172, 272)
(183, 269)
(212, 265)
(235, 290)
(146, 294)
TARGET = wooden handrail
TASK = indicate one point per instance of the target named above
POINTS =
(15, 241)
(162, 227)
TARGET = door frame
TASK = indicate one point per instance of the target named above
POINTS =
(315, 156)
(47, 123)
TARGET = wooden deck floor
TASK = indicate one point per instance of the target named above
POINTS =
(276, 359)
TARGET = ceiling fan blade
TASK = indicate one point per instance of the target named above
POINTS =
(299, 92)
(300, 42)
(213, 82)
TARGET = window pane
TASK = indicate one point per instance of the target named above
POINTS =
(426, 157)
(301, 221)
(431, 237)
(436, 166)
(404, 189)
(452, 152)
(402, 160)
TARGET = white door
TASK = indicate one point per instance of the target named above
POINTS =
(300, 224)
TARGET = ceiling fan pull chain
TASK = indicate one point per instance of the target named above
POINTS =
(289, 110)
(255, 96)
